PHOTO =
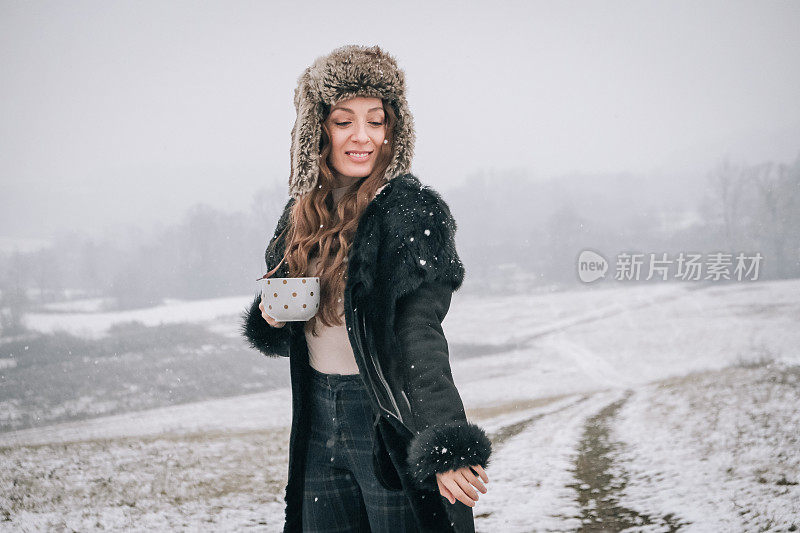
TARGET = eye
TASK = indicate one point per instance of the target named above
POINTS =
(377, 123)
(341, 123)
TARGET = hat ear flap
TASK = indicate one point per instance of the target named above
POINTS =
(404, 138)
(306, 134)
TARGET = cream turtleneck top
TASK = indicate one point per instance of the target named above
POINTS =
(330, 352)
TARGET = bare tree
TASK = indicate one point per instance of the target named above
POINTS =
(778, 188)
(727, 184)
(13, 297)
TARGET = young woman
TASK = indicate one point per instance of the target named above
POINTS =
(379, 440)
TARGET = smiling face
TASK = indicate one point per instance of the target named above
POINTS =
(357, 128)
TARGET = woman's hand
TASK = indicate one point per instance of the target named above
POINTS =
(457, 484)
(271, 321)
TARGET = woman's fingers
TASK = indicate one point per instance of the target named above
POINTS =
(481, 472)
(264, 315)
(472, 478)
(465, 485)
(274, 323)
(460, 484)
(456, 491)
(444, 492)
(271, 321)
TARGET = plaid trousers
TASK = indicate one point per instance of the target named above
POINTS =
(341, 491)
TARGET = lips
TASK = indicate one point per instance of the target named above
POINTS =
(358, 155)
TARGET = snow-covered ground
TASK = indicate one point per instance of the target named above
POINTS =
(86, 305)
(721, 450)
(84, 319)
(637, 408)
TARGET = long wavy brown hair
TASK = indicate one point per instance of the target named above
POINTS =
(317, 229)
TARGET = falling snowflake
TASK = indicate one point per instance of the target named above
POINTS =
(427, 232)
(422, 262)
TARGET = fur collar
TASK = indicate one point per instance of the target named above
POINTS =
(405, 237)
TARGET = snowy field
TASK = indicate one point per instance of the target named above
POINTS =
(637, 408)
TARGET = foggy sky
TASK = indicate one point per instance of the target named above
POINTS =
(129, 112)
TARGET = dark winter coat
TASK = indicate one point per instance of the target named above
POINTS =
(402, 271)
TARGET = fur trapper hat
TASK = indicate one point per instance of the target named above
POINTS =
(348, 71)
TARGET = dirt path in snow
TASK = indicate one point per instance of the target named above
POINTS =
(600, 479)
(592, 478)
(500, 436)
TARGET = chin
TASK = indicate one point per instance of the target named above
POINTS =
(359, 172)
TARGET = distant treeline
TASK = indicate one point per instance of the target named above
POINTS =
(209, 253)
(540, 227)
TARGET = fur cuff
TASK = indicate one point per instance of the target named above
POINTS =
(446, 447)
(261, 336)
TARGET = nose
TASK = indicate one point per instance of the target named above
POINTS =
(360, 134)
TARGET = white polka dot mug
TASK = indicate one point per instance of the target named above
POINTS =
(290, 299)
